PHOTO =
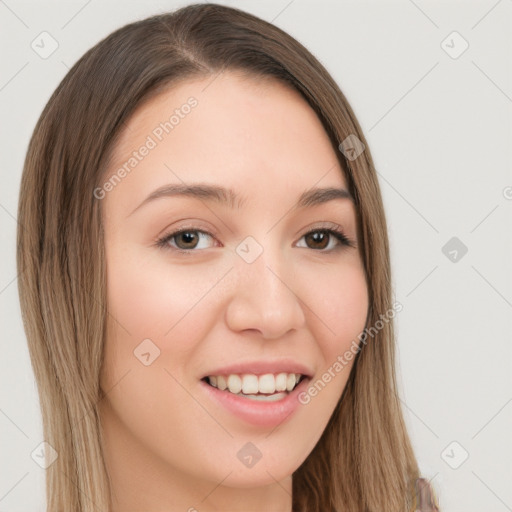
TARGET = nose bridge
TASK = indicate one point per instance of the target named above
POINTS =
(263, 294)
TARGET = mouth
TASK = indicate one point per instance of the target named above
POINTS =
(267, 387)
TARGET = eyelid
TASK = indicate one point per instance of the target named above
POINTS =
(188, 225)
(322, 225)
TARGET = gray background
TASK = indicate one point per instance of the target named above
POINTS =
(439, 127)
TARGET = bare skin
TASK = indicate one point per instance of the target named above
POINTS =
(168, 445)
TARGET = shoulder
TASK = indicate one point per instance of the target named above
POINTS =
(426, 499)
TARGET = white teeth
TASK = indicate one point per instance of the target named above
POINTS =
(221, 382)
(234, 384)
(251, 384)
(290, 381)
(267, 383)
(281, 382)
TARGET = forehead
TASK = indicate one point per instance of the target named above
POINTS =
(240, 131)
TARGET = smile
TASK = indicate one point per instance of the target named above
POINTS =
(264, 401)
(266, 387)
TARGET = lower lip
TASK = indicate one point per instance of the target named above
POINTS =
(257, 412)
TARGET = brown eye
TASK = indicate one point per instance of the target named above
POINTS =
(186, 239)
(326, 240)
(190, 240)
(317, 239)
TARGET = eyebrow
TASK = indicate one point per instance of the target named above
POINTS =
(227, 196)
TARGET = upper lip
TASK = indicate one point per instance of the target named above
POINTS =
(261, 367)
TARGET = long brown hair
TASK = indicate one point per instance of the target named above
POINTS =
(364, 460)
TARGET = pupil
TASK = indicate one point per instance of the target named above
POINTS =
(188, 237)
(318, 238)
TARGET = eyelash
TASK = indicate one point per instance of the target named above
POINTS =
(339, 235)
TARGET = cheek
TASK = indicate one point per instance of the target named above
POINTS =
(157, 318)
(159, 314)
(340, 301)
(151, 299)
(340, 307)
(153, 404)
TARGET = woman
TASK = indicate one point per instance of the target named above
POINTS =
(205, 280)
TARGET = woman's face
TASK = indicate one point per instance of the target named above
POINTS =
(250, 290)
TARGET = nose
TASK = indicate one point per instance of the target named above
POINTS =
(263, 297)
